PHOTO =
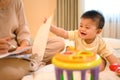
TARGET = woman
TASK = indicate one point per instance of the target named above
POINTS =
(13, 25)
(13, 31)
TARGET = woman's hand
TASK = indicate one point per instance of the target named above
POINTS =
(24, 44)
(29, 51)
(4, 46)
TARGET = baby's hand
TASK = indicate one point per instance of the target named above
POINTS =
(45, 19)
(115, 68)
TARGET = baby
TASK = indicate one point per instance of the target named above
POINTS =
(87, 36)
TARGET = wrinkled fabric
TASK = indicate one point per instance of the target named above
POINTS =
(17, 68)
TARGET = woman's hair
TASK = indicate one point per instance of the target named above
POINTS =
(95, 16)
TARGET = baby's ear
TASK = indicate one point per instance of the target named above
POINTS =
(99, 31)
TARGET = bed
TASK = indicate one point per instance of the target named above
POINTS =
(47, 72)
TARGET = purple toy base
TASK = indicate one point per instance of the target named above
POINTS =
(59, 74)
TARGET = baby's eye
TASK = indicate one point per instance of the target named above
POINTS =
(80, 26)
(87, 27)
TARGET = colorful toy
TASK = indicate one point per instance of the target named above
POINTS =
(74, 60)
(115, 68)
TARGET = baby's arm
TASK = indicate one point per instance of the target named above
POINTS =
(114, 64)
(112, 59)
(59, 31)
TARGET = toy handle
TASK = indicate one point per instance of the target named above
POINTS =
(115, 68)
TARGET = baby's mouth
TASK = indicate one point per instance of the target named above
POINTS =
(83, 33)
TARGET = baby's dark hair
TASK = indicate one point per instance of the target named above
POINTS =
(95, 16)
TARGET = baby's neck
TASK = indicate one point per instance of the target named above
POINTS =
(88, 41)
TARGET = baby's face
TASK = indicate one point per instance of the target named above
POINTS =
(88, 29)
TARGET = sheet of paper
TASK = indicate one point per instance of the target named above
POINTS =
(15, 52)
(40, 41)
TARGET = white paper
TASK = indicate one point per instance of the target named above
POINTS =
(41, 38)
(16, 52)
